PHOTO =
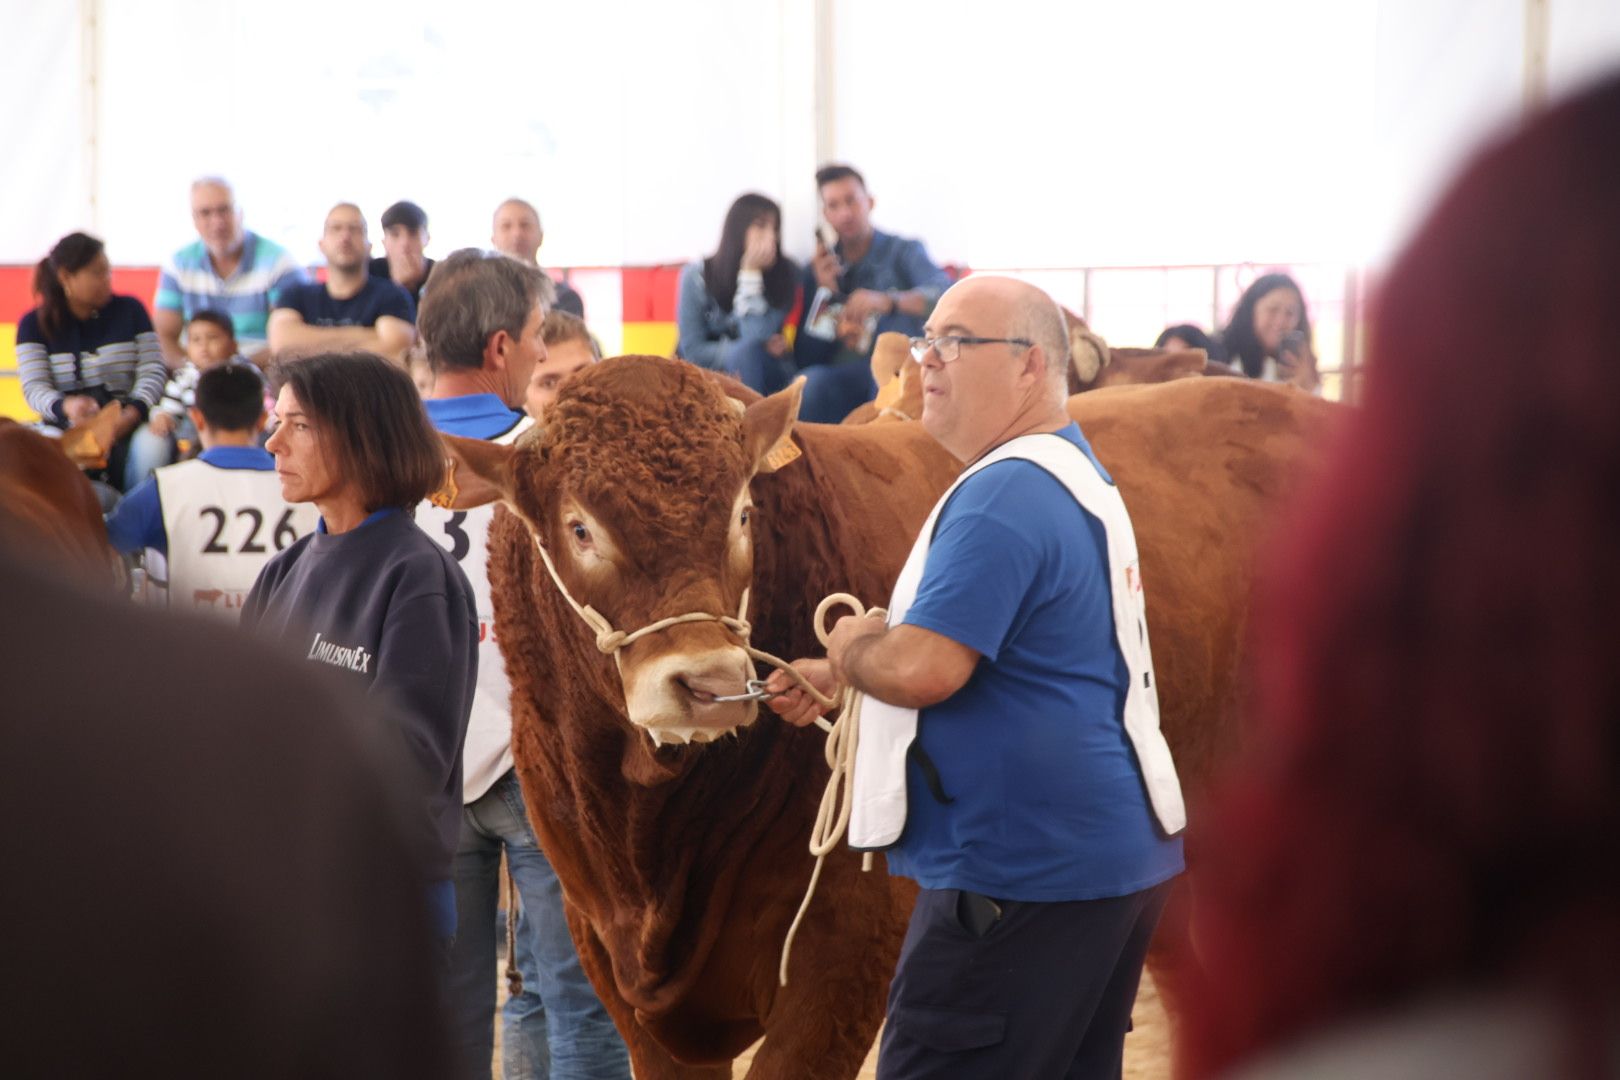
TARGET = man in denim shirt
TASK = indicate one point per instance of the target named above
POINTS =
(874, 281)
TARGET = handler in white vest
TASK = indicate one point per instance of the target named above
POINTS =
(1010, 759)
(217, 519)
(481, 321)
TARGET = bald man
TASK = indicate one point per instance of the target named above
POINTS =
(516, 232)
(1010, 759)
(350, 310)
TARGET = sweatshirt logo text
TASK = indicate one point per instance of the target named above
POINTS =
(354, 658)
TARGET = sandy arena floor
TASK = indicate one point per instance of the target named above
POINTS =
(1147, 1048)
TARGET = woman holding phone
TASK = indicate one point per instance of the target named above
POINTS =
(732, 305)
(1269, 335)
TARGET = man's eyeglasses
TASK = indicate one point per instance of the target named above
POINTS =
(949, 347)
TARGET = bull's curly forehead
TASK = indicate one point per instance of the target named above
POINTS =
(649, 442)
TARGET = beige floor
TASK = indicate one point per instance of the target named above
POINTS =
(1147, 1047)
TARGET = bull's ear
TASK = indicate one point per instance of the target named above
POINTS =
(768, 428)
(889, 357)
(475, 473)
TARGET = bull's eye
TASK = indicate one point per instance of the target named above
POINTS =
(744, 518)
(581, 533)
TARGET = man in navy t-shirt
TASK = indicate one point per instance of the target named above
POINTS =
(351, 310)
(1029, 791)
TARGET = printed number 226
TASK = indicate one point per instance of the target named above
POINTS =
(283, 535)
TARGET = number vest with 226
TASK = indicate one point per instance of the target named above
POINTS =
(223, 525)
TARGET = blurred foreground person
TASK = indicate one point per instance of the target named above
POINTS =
(1415, 873)
(218, 867)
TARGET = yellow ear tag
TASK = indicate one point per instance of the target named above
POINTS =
(783, 453)
(445, 497)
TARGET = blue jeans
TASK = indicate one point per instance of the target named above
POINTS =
(832, 391)
(751, 364)
(557, 1027)
(146, 452)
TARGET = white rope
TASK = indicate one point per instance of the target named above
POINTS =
(832, 816)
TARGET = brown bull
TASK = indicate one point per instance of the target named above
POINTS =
(682, 863)
(48, 510)
(1094, 367)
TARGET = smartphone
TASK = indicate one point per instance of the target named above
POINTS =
(825, 235)
(1293, 344)
(977, 913)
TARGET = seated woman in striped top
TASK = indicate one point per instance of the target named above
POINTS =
(84, 347)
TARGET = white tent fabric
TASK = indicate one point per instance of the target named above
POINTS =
(1092, 133)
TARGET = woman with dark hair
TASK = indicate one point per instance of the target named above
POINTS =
(1415, 872)
(368, 593)
(732, 305)
(1188, 336)
(1269, 334)
(83, 347)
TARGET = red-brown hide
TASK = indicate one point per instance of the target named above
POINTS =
(49, 510)
(682, 866)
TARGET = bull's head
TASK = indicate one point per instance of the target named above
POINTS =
(637, 487)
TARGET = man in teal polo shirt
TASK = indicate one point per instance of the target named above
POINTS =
(228, 268)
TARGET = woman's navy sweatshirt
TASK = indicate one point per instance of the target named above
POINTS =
(386, 606)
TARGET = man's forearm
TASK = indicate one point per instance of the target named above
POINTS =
(303, 337)
(879, 666)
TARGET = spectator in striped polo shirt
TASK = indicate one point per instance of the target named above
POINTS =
(229, 269)
(84, 348)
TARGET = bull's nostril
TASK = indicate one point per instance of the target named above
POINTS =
(684, 684)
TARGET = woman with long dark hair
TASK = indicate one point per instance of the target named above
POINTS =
(83, 347)
(368, 594)
(1415, 871)
(1269, 334)
(732, 305)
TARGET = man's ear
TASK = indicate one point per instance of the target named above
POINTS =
(1035, 361)
(197, 418)
(495, 351)
(768, 428)
(476, 473)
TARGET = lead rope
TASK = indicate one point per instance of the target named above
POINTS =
(832, 816)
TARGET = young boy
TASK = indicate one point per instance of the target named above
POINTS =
(569, 347)
(210, 343)
(219, 518)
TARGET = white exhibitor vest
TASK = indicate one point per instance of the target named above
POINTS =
(487, 753)
(222, 526)
(878, 804)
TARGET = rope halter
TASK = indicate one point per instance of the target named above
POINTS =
(613, 641)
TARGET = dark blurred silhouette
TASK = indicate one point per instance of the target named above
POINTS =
(207, 871)
(1423, 840)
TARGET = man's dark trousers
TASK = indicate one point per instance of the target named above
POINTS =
(1039, 990)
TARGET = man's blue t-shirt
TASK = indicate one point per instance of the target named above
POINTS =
(376, 298)
(472, 416)
(1047, 798)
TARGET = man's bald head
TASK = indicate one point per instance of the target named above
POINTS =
(1032, 314)
(516, 230)
(1009, 372)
